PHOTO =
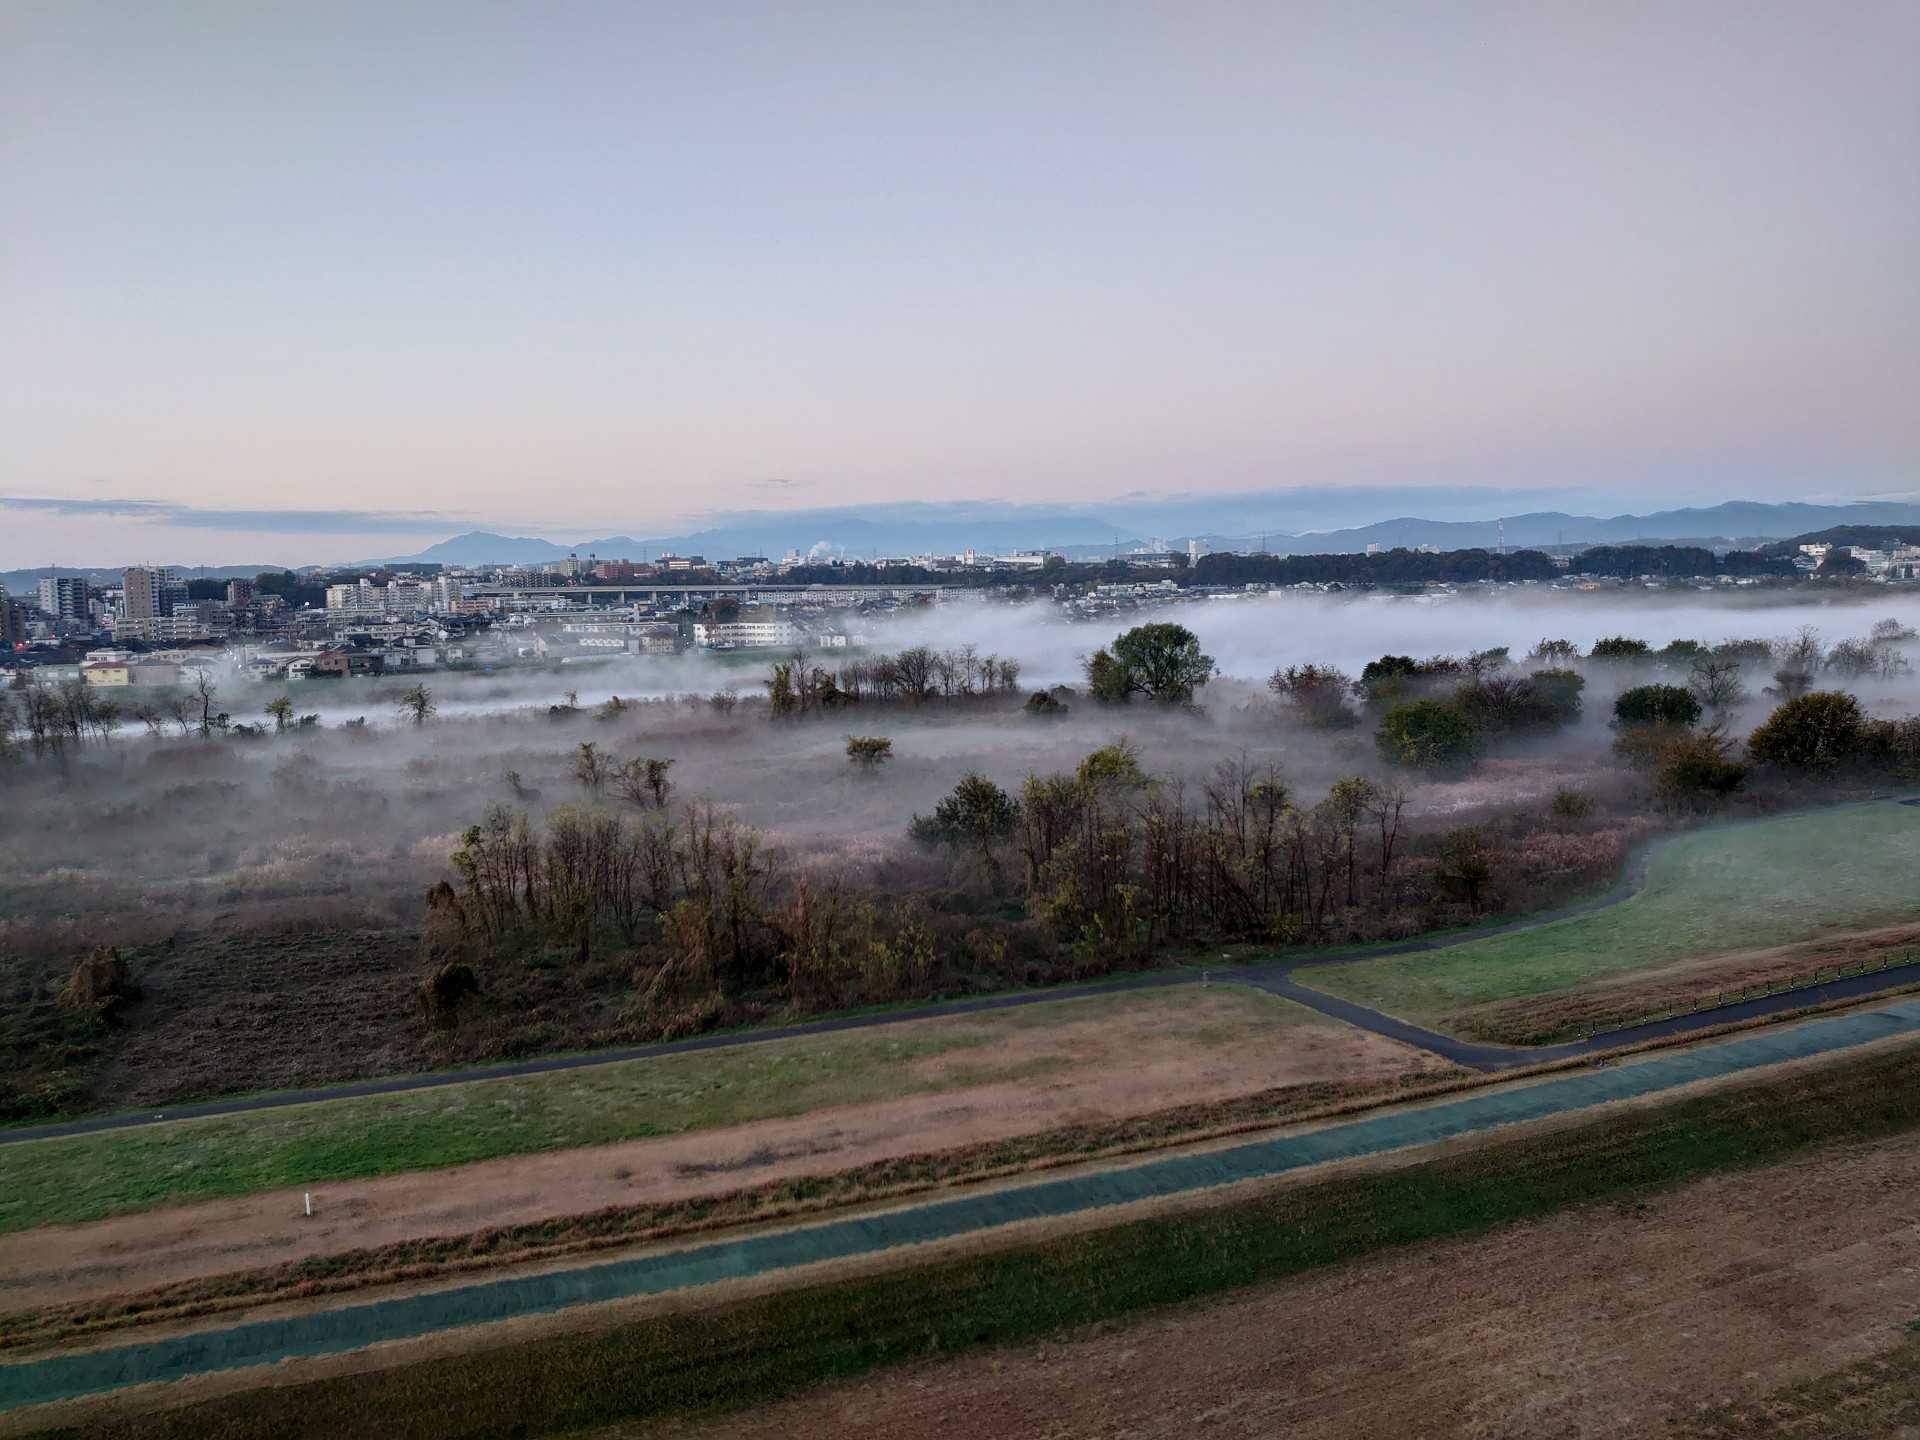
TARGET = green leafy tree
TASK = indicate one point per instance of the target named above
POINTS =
(1815, 731)
(417, 704)
(1319, 695)
(1620, 647)
(975, 815)
(1389, 681)
(1117, 764)
(1429, 735)
(1561, 689)
(1698, 767)
(1162, 661)
(1657, 705)
(781, 696)
(1107, 679)
(281, 711)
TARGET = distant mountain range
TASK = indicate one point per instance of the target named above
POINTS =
(860, 532)
(27, 582)
(1283, 522)
(1735, 520)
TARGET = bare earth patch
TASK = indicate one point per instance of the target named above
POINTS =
(1537, 1019)
(1123, 1063)
(1600, 1322)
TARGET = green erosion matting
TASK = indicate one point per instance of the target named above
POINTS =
(329, 1332)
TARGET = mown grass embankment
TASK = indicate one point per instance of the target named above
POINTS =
(88, 1177)
(1682, 989)
(567, 1236)
(707, 1360)
(1719, 890)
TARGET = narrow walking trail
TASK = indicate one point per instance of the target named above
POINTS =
(1507, 1057)
(333, 1331)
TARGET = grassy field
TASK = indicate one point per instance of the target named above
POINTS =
(1717, 890)
(702, 1361)
(579, 1236)
(90, 1176)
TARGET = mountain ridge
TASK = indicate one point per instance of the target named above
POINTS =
(856, 534)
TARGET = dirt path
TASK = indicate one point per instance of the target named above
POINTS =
(137, 1252)
(1601, 1322)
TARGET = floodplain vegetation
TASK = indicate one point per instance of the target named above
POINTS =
(885, 828)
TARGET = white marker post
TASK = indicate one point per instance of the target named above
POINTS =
(309, 1202)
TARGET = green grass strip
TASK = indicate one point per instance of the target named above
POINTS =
(89, 1177)
(710, 1360)
(1722, 889)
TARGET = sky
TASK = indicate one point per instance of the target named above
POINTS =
(296, 281)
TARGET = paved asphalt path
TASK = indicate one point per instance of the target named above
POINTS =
(331, 1331)
(1273, 976)
(1507, 1057)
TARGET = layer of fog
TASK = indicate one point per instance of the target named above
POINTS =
(181, 832)
(1249, 637)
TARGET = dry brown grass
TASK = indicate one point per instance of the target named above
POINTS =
(569, 1236)
(1543, 1019)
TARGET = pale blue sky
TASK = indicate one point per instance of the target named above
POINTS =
(584, 268)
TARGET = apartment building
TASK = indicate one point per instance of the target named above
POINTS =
(150, 592)
(67, 597)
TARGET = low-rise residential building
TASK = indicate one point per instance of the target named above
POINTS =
(746, 634)
(338, 664)
(162, 629)
(138, 670)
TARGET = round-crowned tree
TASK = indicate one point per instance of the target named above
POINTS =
(1620, 647)
(1815, 731)
(1430, 735)
(976, 813)
(1162, 661)
(1657, 705)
